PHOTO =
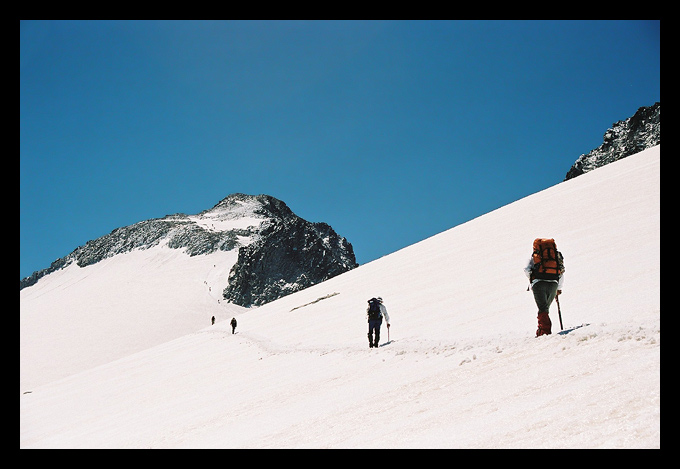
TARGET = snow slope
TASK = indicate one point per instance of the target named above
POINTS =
(77, 318)
(462, 370)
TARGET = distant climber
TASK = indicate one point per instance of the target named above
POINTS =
(213, 320)
(375, 312)
(546, 274)
(233, 325)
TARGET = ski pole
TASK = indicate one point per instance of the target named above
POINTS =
(559, 313)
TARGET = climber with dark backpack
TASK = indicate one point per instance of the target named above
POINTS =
(546, 275)
(375, 312)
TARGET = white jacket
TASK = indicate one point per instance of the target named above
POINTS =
(530, 266)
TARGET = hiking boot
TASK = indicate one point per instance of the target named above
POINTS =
(544, 324)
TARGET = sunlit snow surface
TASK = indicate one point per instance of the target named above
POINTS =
(121, 354)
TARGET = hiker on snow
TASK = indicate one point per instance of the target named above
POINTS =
(375, 312)
(546, 274)
(233, 325)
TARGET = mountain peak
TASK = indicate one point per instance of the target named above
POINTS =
(287, 254)
(243, 205)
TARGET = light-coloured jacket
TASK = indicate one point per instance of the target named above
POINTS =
(529, 268)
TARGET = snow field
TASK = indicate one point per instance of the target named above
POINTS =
(462, 370)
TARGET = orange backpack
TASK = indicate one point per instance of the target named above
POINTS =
(548, 261)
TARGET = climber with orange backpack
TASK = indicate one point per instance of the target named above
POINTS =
(546, 274)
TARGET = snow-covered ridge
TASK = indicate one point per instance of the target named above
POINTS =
(216, 223)
(195, 235)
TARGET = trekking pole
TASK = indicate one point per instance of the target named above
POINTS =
(559, 313)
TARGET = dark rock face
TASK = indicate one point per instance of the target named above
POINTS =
(290, 255)
(625, 138)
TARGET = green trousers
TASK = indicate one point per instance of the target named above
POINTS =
(544, 295)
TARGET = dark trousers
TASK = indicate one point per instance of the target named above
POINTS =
(374, 328)
(544, 294)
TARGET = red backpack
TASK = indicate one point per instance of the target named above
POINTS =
(548, 261)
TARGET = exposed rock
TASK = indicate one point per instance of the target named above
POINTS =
(625, 138)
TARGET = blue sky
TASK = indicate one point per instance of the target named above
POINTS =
(390, 131)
